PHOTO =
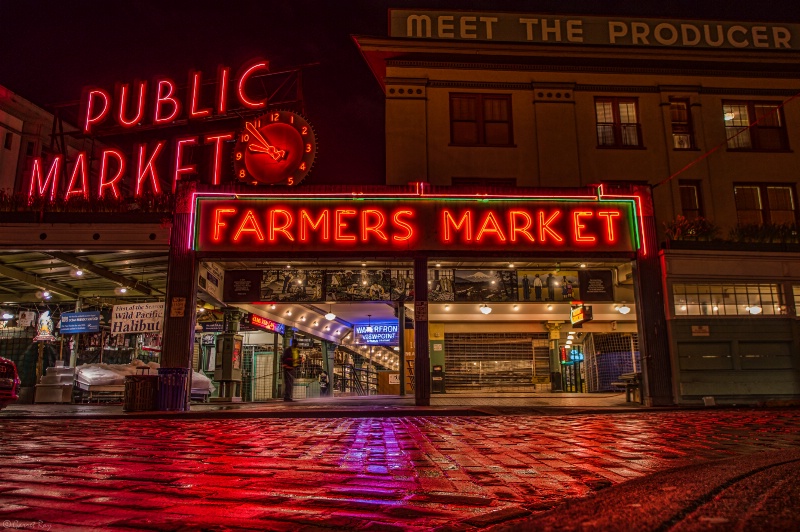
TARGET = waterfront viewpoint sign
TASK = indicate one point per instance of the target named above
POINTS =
(609, 31)
(415, 222)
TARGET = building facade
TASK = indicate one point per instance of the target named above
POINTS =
(705, 114)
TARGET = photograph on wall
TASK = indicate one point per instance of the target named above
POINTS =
(440, 285)
(358, 285)
(402, 285)
(544, 285)
(485, 285)
(292, 285)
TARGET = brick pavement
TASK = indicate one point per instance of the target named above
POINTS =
(402, 473)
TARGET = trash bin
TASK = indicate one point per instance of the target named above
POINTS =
(141, 393)
(174, 386)
(437, 379)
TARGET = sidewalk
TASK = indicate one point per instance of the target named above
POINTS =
(353, 406)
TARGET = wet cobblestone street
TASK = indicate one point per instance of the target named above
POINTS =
(408, 473)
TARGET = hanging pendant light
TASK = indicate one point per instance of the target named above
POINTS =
(330, 316)
(486, 309)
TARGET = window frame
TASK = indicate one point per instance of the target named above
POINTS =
(617, 124)
(720, 299)
(698, 188)
(9, 140)
(754, 129)
(765, 210)
(687, 125)
(480, 120)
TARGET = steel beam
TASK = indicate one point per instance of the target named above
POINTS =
(35, 280)
(89, 266)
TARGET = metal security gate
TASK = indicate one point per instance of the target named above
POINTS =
(495, 362)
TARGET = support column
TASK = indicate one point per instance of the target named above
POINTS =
(422, 361)
(654, 342)
(179, 312)
(401, 340)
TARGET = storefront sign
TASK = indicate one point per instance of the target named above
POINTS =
(384, 223)
(151, 168)
(701, 330)
(579, 314)
(377, 334)
(472, 26)
(137, 318)
(263, 323)
(80, 322)
(596, 285)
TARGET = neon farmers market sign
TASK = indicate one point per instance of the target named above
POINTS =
(417, 221)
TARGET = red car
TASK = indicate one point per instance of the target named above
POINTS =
(9, 382)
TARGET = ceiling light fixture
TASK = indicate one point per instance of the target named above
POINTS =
(369, 323)
(549, 307)
(755, 309)
(486, 309)
(447, 307)
(7, 315)
(272, 306)
(288, 312)
(623, 309)
(330, 316)
(78, 272)
(516, 307)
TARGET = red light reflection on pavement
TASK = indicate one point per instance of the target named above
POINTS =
(410, 473)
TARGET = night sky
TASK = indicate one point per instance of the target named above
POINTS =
(49, 50)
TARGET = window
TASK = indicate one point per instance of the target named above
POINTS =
(759, 204)
(480, 120)
(691, 206)
(617, 123)
(769, 134)
(681, 117)
(9, 140)
(30, 148)
(728, 299)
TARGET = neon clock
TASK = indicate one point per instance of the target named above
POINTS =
(277, 148)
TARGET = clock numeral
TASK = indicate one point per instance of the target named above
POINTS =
(308, 148)
(238, 156)
(302, 166)
(291, 181)
(241, 173)
(245, 137)
(305, 130)
(274, 117)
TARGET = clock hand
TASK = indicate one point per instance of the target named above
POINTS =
(267, 147)
(272, 151)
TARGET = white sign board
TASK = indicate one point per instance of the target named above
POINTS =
(137, 318)
(211, 279)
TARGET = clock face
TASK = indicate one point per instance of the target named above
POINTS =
(277, 148)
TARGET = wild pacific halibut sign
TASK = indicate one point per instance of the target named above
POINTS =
(137, 318)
